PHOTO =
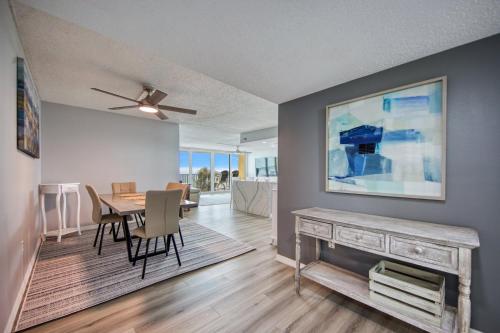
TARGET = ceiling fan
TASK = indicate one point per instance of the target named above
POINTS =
(149, 103)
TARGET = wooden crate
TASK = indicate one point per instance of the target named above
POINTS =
(409, 290)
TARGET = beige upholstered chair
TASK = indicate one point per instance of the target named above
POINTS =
(179, 186)
(185, 189)
(162, 211)
(128, 187)
(98, 217)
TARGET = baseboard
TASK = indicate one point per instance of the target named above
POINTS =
(20, 295)
(287, 261)
(291, 262)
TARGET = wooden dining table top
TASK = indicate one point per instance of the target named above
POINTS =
(133, 203)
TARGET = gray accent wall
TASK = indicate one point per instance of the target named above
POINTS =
(98, 148)
(473, 165)
(19, 178)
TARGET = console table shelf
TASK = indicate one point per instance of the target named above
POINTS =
(436, 246)
(356, 287)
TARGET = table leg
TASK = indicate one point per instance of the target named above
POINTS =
(64, 211)
(464, 280)
(59, 220)
(318, 249)
(44, 215)
(78, 212)
(297, 257)
(128, 238)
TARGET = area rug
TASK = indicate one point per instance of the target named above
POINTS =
(69, 276)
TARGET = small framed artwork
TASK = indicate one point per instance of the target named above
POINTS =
(28, 112)
(391, 143)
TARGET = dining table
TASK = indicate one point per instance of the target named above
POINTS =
(127, 204)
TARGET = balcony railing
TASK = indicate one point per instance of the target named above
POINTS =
(218, 185)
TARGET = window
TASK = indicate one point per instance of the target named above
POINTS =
(266, 167)
(221, 172)
(235, 160)
(184, 167)
(201, 175)
(209, 171)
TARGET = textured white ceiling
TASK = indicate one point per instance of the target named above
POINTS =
(283, 49)
(67, 60)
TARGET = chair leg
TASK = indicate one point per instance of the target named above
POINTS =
(180, 234)
(145, 259)
(113, 225)
(166, 248)
(140, 218)
(169, 237)
(137, 251)
(102, 236)
(136, 220)
(156, 244)
(97, 234)
(176, 252)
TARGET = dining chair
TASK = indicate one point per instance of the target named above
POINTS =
(221, 181)
(162, 210)
(125, 187)
(98, 217)
(185, 190)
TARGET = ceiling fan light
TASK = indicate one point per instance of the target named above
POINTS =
(148, 109)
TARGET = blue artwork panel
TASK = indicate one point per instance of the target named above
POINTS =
(390, 143)
(361, 134)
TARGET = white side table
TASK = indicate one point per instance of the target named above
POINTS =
(58, 190)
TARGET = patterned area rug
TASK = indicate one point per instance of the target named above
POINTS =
(70, 276)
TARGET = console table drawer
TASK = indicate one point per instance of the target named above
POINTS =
(316, 228)
(363, 238)
(439, 255)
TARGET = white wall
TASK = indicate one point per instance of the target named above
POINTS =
(98, 148)
(19, 178)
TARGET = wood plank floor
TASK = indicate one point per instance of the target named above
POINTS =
(251, 293)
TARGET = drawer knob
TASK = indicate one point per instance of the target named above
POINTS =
(419, 250)
(359, 237)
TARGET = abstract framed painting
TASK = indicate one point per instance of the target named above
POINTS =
(391, 143)
(28, 112)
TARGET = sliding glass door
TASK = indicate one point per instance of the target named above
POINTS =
(201, 176)
(208, 170)
(184, 167)
(221, 172)
(235, 162)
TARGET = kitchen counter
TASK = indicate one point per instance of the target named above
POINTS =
(252, 196)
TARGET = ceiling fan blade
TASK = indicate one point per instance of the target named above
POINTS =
(175, 109)
(124, 107)
(161, 115)
(156, 97)
(113, 94)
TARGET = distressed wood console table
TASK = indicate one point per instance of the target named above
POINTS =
(440, 247)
